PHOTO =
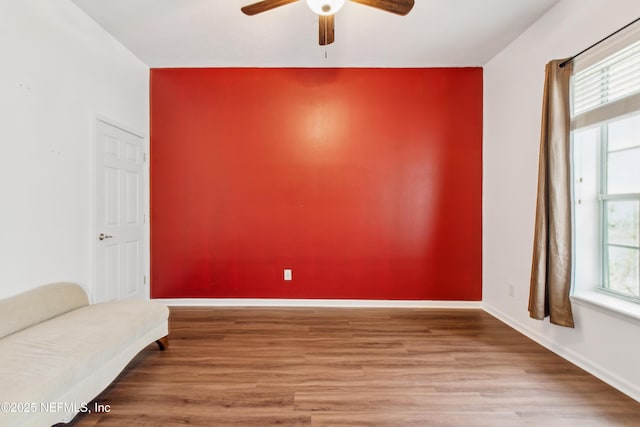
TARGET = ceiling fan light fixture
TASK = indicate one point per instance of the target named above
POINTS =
(325, 7)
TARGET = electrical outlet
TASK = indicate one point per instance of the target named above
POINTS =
(288, 274)
(510, 290)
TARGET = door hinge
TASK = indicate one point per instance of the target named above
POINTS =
(144, 279)
(144, 157)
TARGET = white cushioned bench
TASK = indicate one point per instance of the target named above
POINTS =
(57, 352)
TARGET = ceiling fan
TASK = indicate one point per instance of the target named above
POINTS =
(326, 10)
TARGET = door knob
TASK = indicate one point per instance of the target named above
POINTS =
(103, 236)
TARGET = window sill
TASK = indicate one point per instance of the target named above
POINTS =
(600, 301)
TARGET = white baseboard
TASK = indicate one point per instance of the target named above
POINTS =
(330, 303)
(573, 357)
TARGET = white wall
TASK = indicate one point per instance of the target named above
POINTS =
(58, 67)
(605, 345)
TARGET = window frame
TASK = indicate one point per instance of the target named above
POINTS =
(603, 198)
(601, 116)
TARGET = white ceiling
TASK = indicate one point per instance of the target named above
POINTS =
(214, 33)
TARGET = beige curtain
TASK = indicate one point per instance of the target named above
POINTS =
(551, 270)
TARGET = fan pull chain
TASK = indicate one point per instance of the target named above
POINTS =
(325, 41)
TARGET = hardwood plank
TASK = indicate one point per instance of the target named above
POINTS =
(354, 367)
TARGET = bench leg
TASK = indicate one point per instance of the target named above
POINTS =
(163, 342)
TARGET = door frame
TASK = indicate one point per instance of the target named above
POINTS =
(93, 241)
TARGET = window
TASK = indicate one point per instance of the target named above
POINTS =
(606, 168)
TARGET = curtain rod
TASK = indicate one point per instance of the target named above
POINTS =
(598, 42)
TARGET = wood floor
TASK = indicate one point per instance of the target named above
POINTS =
(354, 367)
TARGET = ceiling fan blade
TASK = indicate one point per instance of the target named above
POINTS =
(263, 6)
(399, 7)
(326, 29)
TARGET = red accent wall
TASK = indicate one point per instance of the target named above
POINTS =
(365, 182)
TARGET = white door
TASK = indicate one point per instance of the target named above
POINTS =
(119, 226)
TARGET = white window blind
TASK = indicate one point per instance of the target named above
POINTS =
(606, 81)
(611, 79)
